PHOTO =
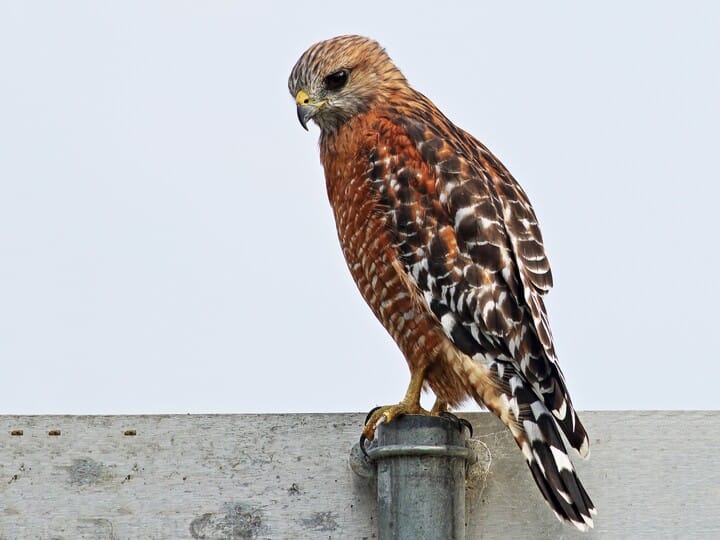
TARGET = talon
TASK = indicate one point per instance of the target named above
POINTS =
(385, 415)
(461, 422)
(468, 425)
(410, 404)
(374, 419)
(369, 415)
(362, 445)
(450, 416)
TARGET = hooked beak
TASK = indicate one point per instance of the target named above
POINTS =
(306, 109)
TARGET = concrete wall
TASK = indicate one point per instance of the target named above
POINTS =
(651, 475)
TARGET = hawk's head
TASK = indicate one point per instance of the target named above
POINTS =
(336, 79)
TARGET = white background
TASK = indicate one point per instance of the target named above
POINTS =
(166, 244)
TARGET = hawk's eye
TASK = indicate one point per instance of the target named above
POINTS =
(336, 80)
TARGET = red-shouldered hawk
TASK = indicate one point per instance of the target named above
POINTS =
(445, 248)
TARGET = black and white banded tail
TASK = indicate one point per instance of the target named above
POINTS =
(537, 433)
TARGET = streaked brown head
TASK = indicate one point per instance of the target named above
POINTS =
(338, 78)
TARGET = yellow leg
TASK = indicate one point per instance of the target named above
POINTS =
(439, 407)
(410, 404)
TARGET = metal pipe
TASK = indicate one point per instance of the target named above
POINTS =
(420, 478)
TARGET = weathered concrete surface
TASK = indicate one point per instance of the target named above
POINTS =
(651, 475)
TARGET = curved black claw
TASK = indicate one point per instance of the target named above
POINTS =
(450, 416)
(362, 445)
(468, 425)
(367, 418)
(461, 422)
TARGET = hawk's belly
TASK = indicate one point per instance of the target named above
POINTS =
(373, 261)
(379, 275)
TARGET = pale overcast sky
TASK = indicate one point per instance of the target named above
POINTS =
(166, 244)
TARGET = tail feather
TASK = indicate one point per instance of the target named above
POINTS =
(558, 401)
(549, 462)
(540, 370)
(537, 432)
